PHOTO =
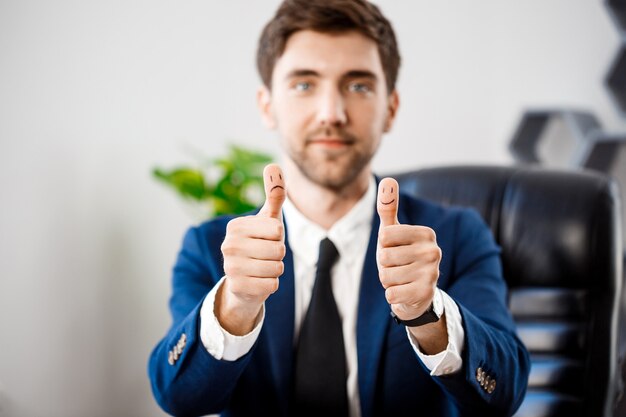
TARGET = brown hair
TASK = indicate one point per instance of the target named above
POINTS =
(328, 16)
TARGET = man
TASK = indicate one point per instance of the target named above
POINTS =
(287, 311)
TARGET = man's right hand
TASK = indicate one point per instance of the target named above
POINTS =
(253, 250)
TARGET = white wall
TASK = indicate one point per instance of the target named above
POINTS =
(94, 94)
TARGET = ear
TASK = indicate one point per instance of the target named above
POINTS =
(264, 102)
(393, 102)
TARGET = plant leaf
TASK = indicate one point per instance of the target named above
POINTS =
(188, 182)
(240, 180)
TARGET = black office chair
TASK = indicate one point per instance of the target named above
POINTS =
(560, 234)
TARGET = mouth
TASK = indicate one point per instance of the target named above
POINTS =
(331, 139)
(387, 203)
(331, 143)
(277, 186)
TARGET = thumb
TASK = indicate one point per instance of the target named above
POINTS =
(387, 203)
(275, 193)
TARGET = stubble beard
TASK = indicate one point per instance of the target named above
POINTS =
(334, 170)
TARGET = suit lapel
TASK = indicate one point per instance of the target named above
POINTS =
(279, 326)
(373, 319)
(372, 322)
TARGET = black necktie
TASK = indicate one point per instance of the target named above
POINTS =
(320, 371)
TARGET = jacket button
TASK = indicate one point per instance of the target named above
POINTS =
(480, 375)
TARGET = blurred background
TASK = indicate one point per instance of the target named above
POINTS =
(94, 95)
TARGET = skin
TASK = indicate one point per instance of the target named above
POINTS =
(330, 106)
(408, 267)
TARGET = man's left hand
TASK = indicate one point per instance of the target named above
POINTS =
(408, 265)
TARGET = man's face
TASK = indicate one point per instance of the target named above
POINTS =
(330, 104)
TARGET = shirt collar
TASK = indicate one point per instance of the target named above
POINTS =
(349, 234)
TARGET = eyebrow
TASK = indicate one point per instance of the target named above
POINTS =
(349, 75)
(361, 74)
(301, 73)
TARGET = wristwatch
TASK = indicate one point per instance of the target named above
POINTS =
(431, 315)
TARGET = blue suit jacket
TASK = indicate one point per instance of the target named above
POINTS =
(392, 379)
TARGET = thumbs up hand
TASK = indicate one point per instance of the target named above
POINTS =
(408, 257)
(253, 251)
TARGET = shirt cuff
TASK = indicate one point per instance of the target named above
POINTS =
(449, 360)
(217, 341)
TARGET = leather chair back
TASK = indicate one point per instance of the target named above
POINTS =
(560, 235)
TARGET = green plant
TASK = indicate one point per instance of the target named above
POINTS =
(232, 184)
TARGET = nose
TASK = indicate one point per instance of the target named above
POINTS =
(332, 111)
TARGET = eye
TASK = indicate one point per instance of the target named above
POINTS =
(357, 87)
(302, 86)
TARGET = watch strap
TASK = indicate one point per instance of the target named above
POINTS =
(428, 316)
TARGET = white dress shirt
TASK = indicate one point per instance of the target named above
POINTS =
(350, 234)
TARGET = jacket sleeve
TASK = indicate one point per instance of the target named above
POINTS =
(186, 379)
(496, 364)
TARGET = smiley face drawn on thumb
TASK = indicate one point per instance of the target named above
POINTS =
(387, 203)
